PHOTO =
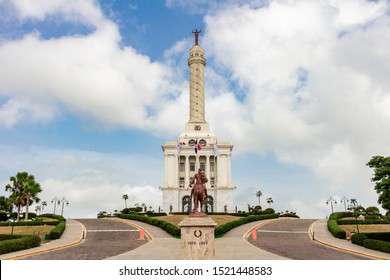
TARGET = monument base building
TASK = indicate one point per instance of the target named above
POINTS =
(197, 148)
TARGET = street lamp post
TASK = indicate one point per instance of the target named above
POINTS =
(345, 200)
(331, 200)
(63, 201)
(55, 201)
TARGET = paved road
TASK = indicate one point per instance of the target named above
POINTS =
(104, 238)
(289, 238)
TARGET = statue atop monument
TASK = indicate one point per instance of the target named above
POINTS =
(199, 193)
(196, 32)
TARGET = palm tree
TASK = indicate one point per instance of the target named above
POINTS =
(43, 205)
(269, 201)
(125, 197)
(17, 189)
(24, 191)
(31, 190)
(258, 195)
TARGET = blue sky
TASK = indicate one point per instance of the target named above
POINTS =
(90, 90)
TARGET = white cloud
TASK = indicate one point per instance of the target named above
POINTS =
(314, 77)
(90, 181)
(74, 10)
(305, 81)
(24, 109)
(90, 75)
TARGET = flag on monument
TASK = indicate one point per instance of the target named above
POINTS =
(197, 146)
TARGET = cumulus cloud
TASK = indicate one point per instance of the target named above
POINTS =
(308, 87)
(305, 81)
(90, 75)
(314, 90)
(90, 181)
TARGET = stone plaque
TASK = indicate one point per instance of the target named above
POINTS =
(197, 238)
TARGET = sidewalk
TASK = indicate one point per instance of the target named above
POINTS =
(323, 236)
(72, 235)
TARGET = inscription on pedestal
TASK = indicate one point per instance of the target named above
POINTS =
(197, 238)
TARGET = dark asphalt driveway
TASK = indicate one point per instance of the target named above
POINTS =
(104, 238)
(290, 238)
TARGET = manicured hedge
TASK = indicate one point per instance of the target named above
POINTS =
(379, 241)
(334, 228)
(54, 216)
(361, 222)
(58, 230)
(11, 243)
(168, 227)
(30, 223)
(358, 238)
(222, 229)
(219, 231)
(340, 215)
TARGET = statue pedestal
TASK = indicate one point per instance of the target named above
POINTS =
(197, 238)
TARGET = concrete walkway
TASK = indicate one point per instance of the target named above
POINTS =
(232, 246)
(73, 234)
(322, 235)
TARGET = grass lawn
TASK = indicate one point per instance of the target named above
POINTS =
(219, 219)
(365, 228)
(40, 231)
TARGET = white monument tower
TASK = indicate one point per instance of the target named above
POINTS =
(197, 148)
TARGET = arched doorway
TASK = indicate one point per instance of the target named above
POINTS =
(186, 204)
(209, 204)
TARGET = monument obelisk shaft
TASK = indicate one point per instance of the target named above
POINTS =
(197, 62)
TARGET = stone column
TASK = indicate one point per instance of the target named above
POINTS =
(208, 170)
(187, 172)
(166, 170)
(176, 171)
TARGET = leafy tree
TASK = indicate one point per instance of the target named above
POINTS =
(258, 195)
(373, 213)
(381, 177)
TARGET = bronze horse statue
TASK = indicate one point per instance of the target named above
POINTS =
(199, 192)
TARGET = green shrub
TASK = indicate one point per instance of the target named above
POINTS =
(340, 215)
(58, 230)
(153, 214)
(373, 240)
(377, 245)
(175, 231)
(358, 238)
(168, 227)
(54, 216)
(361, 222)
(222, 229)
(3, 216)
(334, 228)
(14, 243)
(383, 236)
(30, 223)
